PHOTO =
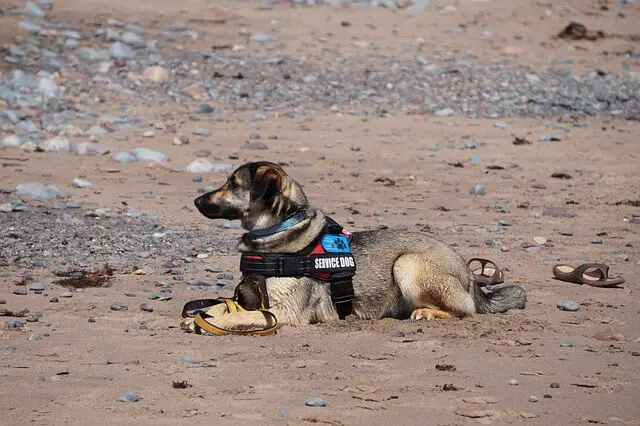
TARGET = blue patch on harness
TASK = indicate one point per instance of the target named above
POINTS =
(335, 244)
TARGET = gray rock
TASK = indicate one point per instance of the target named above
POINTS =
(29, 26)
(445, 112)
(91, 149)
(500, 124)
(190, 360)
(532, 249)
(37, 191)
(129, 397)
(202, 132)
(148, 154)
(146, 307)
(48, 87)
(15, 324)
(568, 305)
(11, 140)
(91, 54)
(57, 144)
(596, 240)
(6, 208)
(119, 306)
(261, 37)
(202, 165)
(125, 157)
(96, 130)
(121, 50)
(37, 288)
(20, 292)
(478, 190)
(81, 183)
(549, 138)
(132, 39)
(213, 268)
(205, 109)
(315, 402)
(34, 10)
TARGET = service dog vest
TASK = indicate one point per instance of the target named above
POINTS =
(327, 258)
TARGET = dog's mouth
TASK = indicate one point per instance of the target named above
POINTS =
(217, 210)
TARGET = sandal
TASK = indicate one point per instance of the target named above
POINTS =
(591, 274)
(487, 274)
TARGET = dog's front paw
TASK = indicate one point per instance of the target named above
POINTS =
(429, 314)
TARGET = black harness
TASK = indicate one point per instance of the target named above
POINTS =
(327, 258)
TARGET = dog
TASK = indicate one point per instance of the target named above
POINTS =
(402, 275)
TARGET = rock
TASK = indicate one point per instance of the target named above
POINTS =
(540, 240)
(54, 300)
(559, 212)
(446, 112)
(37, 288)
(30, 8)
(554, 385)
(81, 183)
(202, 132)
(148, 154)
(566, 233)
(609, 336)
(15, 324)
(131, 38)
(568, 305)
(20, 292)
(66, 294)
(156, 74)
(596, 240)
(254, 145)
(533, 249)
(57, 144)
(11, 140)
(478, 190)
(129, 397)
(189, 360)
(121, 50)
(91, 54)
(195, 91)
(37, 191)
(315, 402)
(549, 138)
(533, 399)
(48, 87)
(96, 130)
(261, 37)
(202, 165)
(146, 307)
(205, 109)
(119, 306)
(513, 382)
(148, 134)
(125, 157)
(91, 149)
(6, 208)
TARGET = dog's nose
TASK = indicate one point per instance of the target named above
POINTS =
(199, 201)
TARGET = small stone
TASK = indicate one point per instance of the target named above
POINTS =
(566, 233)
(315, 402)
(149, 155)
(11, 140)
(533, 399)
(202, 132)
(446, 112)
(119, 306)
(566, 345)
(190, 360)
(261, 37)
(129, 397)
(121, 50)
(478, 190)
(66, 294)
(202, 165)
(254, 145)
(30, 8)
(596, 240)
(57, 144)
(213, 269)
(146, 307)
(20, 292)
(81, 183)
(125, 157)
(157, 74)
(549, 138)
(568, 305)
(37, 288)
(15, 324)
(197, 179)
(554, 385)
(513, 382)
(540, 240)
(54, 300)
(148, 134)
(205, 109)
(500, 124)
(34, 338)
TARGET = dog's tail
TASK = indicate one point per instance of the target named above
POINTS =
(500, 299)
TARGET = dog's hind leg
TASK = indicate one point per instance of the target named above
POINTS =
(431, 289)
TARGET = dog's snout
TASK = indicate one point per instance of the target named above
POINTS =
(199, 201)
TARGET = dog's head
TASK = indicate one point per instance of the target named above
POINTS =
(258, 194)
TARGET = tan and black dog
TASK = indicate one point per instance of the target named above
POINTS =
(399, 274)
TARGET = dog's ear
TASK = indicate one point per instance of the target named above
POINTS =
(267, 182)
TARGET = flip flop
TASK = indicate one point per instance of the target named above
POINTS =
(591, 274)
(487, 274)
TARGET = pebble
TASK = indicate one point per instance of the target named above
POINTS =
(202, 132)
(202, 165)
(566, 233)
(568, 305)
(205, 109)
(315, 402)
(66, 294)
(445, 112)
(125, 157)
(549, 138)
(57, 144)
(20, 292)
(149, 155)
(54, 300)
(213, 268)
(533, 399)
(81, 183)
(119, 306)
(513, 382)
(261, 37)
(540, 240)
(15, 324)
(129, 397)
(596, 240)
(146, 307)
(554, 385)
(478, 190)
(30, 8)
(37, 288)
(121, 50)
(566, 345)
(156, 74)
(190, 360)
